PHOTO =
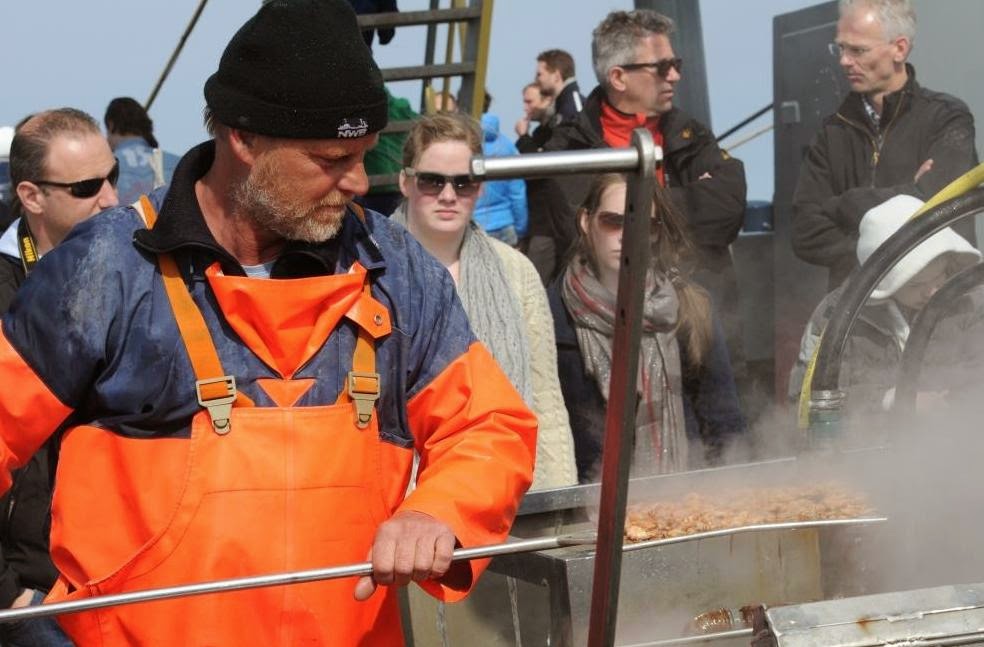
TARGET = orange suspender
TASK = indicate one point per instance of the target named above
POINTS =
(363, 380)
(217, 391)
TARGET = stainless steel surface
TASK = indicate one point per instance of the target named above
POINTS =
(535, 165)
(666, 583)
(278, 579)
(947, 615)
(621, 413)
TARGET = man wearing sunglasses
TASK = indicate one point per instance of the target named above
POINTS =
(889, 137)
(246, 366)
(637, 72)
(49, 151)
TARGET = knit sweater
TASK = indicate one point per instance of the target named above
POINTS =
(555, 465)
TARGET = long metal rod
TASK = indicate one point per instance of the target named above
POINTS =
(534, 165)
(174, 56)
(744, 122)
(621, 414)
(277, 579)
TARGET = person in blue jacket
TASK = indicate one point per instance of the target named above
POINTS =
(501, 211)
(144, 166)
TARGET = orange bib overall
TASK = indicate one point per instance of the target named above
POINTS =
(260, 489)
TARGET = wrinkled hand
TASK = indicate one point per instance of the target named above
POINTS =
(925, 168)
(410, 546)
(522, 126)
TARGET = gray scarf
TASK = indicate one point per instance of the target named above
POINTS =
(491, 304)
(661, 437)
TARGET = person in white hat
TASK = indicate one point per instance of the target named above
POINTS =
(874, 349)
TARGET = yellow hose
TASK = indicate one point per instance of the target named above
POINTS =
(955, 189)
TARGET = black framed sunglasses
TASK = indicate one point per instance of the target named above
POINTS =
(432, 184)
(662, 66)
(86, 188)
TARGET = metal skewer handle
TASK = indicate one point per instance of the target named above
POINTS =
(277, 579)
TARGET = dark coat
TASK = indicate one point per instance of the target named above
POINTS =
(568, 104)
(26, 507)
(551, 216)
(710, 400)
(852, 167)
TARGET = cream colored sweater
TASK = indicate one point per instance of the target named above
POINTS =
(555, 465)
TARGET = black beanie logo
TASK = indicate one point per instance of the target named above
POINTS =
(349, 130)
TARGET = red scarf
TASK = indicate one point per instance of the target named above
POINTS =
(617, 127)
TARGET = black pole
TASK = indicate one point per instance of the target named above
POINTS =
(745, 122)
(174, 56)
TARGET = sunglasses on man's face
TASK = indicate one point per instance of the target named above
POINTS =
(662, 66)
(85, 188)
(465, 186)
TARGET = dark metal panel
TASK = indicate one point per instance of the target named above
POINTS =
(688, 43)
(808, 86)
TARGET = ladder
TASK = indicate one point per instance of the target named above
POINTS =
(475, 20)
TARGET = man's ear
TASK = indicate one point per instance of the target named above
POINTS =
(901, 49)
(243, 145)
(616, 79)
(31, 198)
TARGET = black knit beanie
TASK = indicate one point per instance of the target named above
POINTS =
(299, 69)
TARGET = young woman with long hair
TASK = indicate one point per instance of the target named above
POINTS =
(687, 395)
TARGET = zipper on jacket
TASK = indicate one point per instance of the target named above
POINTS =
(876, 143)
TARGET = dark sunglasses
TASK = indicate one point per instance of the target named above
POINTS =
(611, 221)
(86, 188)
(662, 66)
(432, 184)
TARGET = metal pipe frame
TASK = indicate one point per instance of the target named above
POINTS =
(922, 329)
(427, 71)
(538, 165)
(622, 400)
(826, 377)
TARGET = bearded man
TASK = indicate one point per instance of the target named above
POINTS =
(242, 367)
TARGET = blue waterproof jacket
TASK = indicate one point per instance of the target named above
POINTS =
(503, 202)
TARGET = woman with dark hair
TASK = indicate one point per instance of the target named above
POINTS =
(498, 286)
(143, 165)
(687, 395)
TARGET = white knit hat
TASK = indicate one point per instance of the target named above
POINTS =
(884, 220)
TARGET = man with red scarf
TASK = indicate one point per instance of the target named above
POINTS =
(638, 71)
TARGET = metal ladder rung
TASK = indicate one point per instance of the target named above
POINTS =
(428, 71)
(410, 18)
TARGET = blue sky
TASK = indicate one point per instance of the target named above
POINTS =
(85, 53)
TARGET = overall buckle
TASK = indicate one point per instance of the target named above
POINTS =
(363, 388)
(219, 407)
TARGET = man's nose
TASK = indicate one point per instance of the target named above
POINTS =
(355, 181)
(108, 197)
(673, 75)
(448, 194)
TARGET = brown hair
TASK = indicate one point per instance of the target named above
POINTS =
(557, 60)
(33, 136)
(441, 127)
(673, 256)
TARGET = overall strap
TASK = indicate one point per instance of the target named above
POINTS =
(362, 385)
(216, 391)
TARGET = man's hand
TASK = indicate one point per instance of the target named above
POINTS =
(410, 546)
(23, 600)
(925, 168)
(522, 126)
